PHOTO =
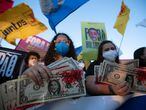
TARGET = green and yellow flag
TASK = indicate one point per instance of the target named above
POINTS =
(19, 22)
(122, 19)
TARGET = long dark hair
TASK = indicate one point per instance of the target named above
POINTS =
(51, 53)
(100, 52)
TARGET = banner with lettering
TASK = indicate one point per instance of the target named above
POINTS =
(92, 35)
(19, 22)
(11, 63)
(34, 43)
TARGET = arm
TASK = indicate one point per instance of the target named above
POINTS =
(96, 89)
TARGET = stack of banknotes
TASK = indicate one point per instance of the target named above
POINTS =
(113, 73)
(66, 80)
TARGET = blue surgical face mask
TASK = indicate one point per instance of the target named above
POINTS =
(62, 48)
(110, 55)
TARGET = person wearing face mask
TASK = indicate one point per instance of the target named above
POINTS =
(106, 51)
(60, 46)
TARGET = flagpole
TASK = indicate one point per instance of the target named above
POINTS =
(1, 41)
(120, 44)
(55, 31)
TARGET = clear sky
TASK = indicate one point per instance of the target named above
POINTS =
(104, 11)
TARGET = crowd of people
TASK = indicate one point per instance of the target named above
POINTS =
(62, 46)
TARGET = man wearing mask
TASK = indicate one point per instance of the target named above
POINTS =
(106, 51)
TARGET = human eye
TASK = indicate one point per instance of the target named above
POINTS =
(112, 48)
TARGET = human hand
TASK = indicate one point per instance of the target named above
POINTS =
(37, 73)
(121, 88)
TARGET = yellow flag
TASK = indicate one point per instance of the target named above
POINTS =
(122, 19)
(19, 22)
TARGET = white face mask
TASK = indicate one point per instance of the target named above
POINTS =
(110, 55)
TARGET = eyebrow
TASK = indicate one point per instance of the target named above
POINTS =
(109, 48)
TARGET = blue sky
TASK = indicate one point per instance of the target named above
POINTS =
(102, 11)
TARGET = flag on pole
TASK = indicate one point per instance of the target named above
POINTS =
(122, 19)
(57, 10)
(19, 22)
(78, 50)
(142, 23)
(5, 5)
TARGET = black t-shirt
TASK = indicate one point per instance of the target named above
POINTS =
(90, 69)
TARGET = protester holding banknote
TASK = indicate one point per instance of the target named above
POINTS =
(60, 46)
(138, 102)
(107, 50)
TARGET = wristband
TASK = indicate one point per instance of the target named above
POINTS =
(111, 89)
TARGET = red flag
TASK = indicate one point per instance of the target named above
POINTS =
(5, 5)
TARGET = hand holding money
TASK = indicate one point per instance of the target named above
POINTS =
(37, 73)
(122, 88)
(59, 80)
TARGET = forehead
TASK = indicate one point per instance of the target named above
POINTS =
(32, 56)
(108, 45)
(62, 37)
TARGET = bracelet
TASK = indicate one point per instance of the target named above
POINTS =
(111, 89)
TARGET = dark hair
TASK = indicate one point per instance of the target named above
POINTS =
(51, 53)
(31, 53)
(100, 52)
(139, 52)
(138, 55)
